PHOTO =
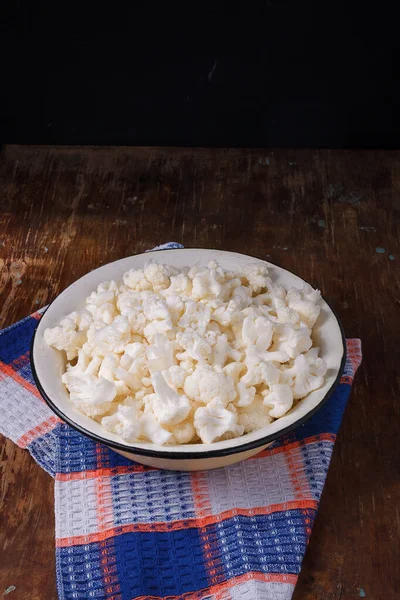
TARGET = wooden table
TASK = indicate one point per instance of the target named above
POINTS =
(321, 214)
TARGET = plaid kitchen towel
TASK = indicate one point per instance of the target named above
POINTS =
(125, 531)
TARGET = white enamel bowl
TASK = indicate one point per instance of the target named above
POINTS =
(48, 365)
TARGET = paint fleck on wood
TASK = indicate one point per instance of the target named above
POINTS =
(367, 228)
(380, 250)
(10, 589)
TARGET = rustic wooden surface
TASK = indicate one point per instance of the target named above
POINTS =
(321, 214)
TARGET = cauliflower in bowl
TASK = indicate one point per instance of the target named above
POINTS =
(178, 356)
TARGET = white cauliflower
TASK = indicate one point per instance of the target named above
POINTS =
(184, 432)
(114, 337)
(255, 416)
(261, 373)
(196, 316)
(293, 341)
(204, 385)
(157, 327)
(70, 335)
(196, 346)
(234, 370)
(169, 407)
(176, 307)
(304, 302)
(257, 277)
(155, 309)
(160, 354)
(157, 276)
(151, 430)
(124, 380)
(92, 395)
(135, 360)
(125, 422)
(208, 282)
(175, 376)
(257, 331)
(241, 296)
(215, 420)
(105, 294)
(306, 374)
(177, 355)
(135, 279)
(279, 399)
(245, 394)
(180, 285)
(222, 351)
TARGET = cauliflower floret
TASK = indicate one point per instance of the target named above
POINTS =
(105, 312)
(180, 285)
(279, 399)
(208, 282)
(85, 364)
(214, 420)
(92, 395)
(223, 351)
(262, 373)
(241, 296)
(157, 275)
(304, 302)
(82, 319)
(105, 294)
(151, 429)
(160, 354)
(169, 407)
(234, 370)
(155, 309)
(306, 374)
(245, 394)
(184, 432)
(176, 308)
(135, 360)
(175, 377)
(70, 335)
(205, 384)
(125, 421)
(135, 280)
(225, 314)
(125, 381)
(129, 304)
(187, 363)
(114, 337)
(196, 347)
(196, 316)
(128, 301)
(81, 364)
(284, 314)
(109, 363)
(255, 357)
(257, 277)
(257, 331)
(255, 416)
(293, 341)
(157, 327)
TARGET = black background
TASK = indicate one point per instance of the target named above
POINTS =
(272, 73)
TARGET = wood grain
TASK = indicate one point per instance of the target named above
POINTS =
(321, 214)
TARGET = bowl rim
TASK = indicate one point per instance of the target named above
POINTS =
(188, 455)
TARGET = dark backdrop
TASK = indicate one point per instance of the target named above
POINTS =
(272, 73)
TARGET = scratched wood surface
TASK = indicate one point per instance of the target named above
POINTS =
(321, 214)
